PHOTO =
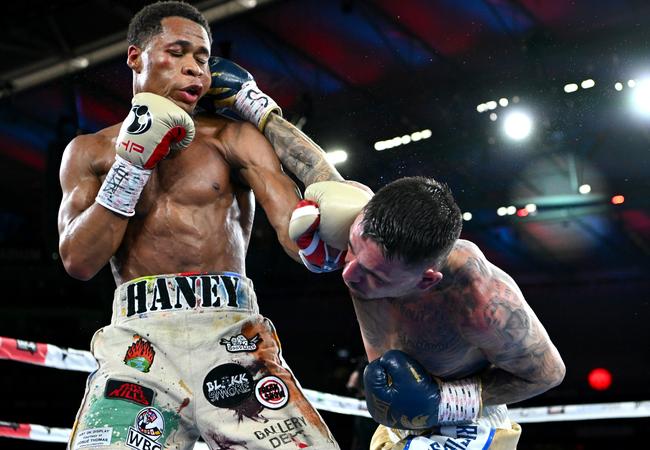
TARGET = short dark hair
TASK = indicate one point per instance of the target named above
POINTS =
(147, 22)
(414, 219)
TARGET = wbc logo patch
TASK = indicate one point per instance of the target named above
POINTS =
(149, 426)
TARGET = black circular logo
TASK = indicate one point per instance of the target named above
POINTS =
(140, 118)
(228, 385)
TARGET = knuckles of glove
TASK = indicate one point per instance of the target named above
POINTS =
(400, 393)
(155, 126)
(339, 204)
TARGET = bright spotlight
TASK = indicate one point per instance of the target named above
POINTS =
(491, 104)
(584, 189)
(493, 116)
(337, 156)
(426, 134)
(517, 125)
(531, 208)
(586, 84)
(510, 210)
(380, 145)
(618, 86)
(467, 216)
(502, 211)
(503, 102)
(571, 87)
(631, 83)
(641, 97)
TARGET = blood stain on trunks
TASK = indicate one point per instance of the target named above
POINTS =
(186, 401)
(223, 443)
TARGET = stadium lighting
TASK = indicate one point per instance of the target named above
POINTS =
(641, 97)
(467, 216)
(584, 189)
(618, 86)
(571, 87)
(337, 156)
(586, 84)
(518, 125)
(403, 140)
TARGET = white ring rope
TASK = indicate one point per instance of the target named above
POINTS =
(49, 355)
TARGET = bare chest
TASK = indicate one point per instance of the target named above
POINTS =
(425, 328)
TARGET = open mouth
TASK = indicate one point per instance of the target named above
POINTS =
(190, 94)
(193, 90)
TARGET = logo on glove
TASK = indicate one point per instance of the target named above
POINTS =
(140, 118)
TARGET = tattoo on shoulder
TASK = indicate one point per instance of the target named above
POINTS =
(510, 320)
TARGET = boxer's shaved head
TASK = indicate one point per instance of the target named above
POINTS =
(147, 23)
(414, 219)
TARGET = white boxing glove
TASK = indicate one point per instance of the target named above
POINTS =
(154, 126)
(320, 224)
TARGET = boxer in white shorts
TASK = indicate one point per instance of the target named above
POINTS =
(169, 191)
(220, 375)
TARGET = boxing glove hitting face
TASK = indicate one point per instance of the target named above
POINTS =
(154, 127)
(321, 223)
(233, 90)
(400, 393)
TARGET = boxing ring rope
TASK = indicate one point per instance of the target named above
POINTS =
(49, 355)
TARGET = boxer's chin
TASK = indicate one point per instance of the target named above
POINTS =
(359, 295)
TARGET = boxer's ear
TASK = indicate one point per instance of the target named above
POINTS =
(134, 58)
(429, 278)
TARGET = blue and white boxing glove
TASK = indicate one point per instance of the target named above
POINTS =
(233, 90)
(400, 393)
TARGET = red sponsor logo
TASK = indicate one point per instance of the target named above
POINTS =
(131, 146)
(125, 390)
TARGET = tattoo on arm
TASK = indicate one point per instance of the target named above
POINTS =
(299, 154)
(525, 362)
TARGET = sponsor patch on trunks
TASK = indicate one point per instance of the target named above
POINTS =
(228, 385)
(132, 392)
(149, 426)
(240, 343)
(271, 392)
(93, 437)
(285, 431)
(140, 355)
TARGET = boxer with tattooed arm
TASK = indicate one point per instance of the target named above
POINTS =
(450, 336)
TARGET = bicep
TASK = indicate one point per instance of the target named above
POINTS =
(509, 333)
(261, 170)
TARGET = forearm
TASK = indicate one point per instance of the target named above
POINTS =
(299, 154)
(88, 241)
(501, 387)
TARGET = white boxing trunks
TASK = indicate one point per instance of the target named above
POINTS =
(189, 356)
(493, 431)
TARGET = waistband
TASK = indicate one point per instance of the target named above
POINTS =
(198, 291)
